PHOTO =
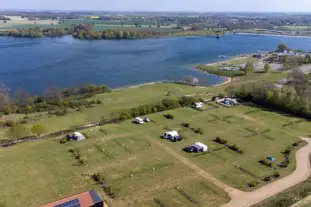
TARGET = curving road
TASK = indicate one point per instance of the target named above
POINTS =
(301, 173)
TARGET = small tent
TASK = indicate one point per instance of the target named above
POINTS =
(78, 136)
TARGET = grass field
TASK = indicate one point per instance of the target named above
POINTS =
(99, 25)
(142, 173)
(111, 102)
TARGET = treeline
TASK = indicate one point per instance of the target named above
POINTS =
(115, 34)
(294, 97)
(54, 100)
(37, 32)
(165, 104)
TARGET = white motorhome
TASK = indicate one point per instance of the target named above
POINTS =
(139, 120)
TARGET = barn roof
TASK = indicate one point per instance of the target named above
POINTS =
(85, 199)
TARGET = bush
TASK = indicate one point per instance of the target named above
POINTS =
(96, 177)
(234, 147)
(276, 174)
(98, 101)
(253, 184)
(221, 95)
(83, 160)
(185, 124)
(267, 178)
(220, 140)
(265, 162)
(199, 131)
(63, 141)
(9, 123)
(284, 164)
(169, 116)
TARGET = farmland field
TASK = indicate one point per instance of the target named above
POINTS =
(99, 25)
(140, 172)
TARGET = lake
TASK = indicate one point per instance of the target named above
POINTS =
(35, 64)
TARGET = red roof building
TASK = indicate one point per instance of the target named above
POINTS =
(86, 199)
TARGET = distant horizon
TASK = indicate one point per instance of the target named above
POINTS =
(151, 11)
(282, 6)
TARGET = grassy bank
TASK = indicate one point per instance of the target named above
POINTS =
(214, 68)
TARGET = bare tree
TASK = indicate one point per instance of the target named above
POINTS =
(21, 97)
(4, 96)
(299, 80)
(53, 92)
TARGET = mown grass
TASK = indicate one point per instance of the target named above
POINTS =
(139, 171)
(118, 99)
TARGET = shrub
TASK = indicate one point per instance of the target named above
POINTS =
(199, 131)
(83, 160)
(98, 101)
(306, 192)
(276, 174)
(221, 95)
(234, 147)
(253, 184)
(63, 141)
(169, 116)
(185, 124)
(288, 150)
(60, 112)
(267, 178)
(9, 123)
(295, 144)
(284, 164)
(96, 177)
(38, 129)
(220, 140)
(265, 162)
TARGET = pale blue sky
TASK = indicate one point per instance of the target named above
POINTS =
(161, 5)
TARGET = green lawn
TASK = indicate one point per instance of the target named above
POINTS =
(111, 102)
(139, 171)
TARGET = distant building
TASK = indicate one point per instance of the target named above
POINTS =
(86, 199)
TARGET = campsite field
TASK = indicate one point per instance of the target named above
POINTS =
(111, 102)
(140, 169)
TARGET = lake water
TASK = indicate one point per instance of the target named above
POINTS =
(34, 64)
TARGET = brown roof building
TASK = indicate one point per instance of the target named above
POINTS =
(86, 199)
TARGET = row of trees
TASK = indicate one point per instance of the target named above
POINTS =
(37, 32)
(292, 98)
(165, 104)
(115, 34)
(17, 131)
(53, 98)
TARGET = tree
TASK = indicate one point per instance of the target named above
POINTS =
(21, 97)
(267, 67)
(4, 97)
(53, 92)
(192, 80)
(17, 131)
(282, 47)
(249, 67)
(38, 129)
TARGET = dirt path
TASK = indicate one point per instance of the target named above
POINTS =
(301, 173)
(232, 192)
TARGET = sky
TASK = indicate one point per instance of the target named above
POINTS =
(162, 5)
